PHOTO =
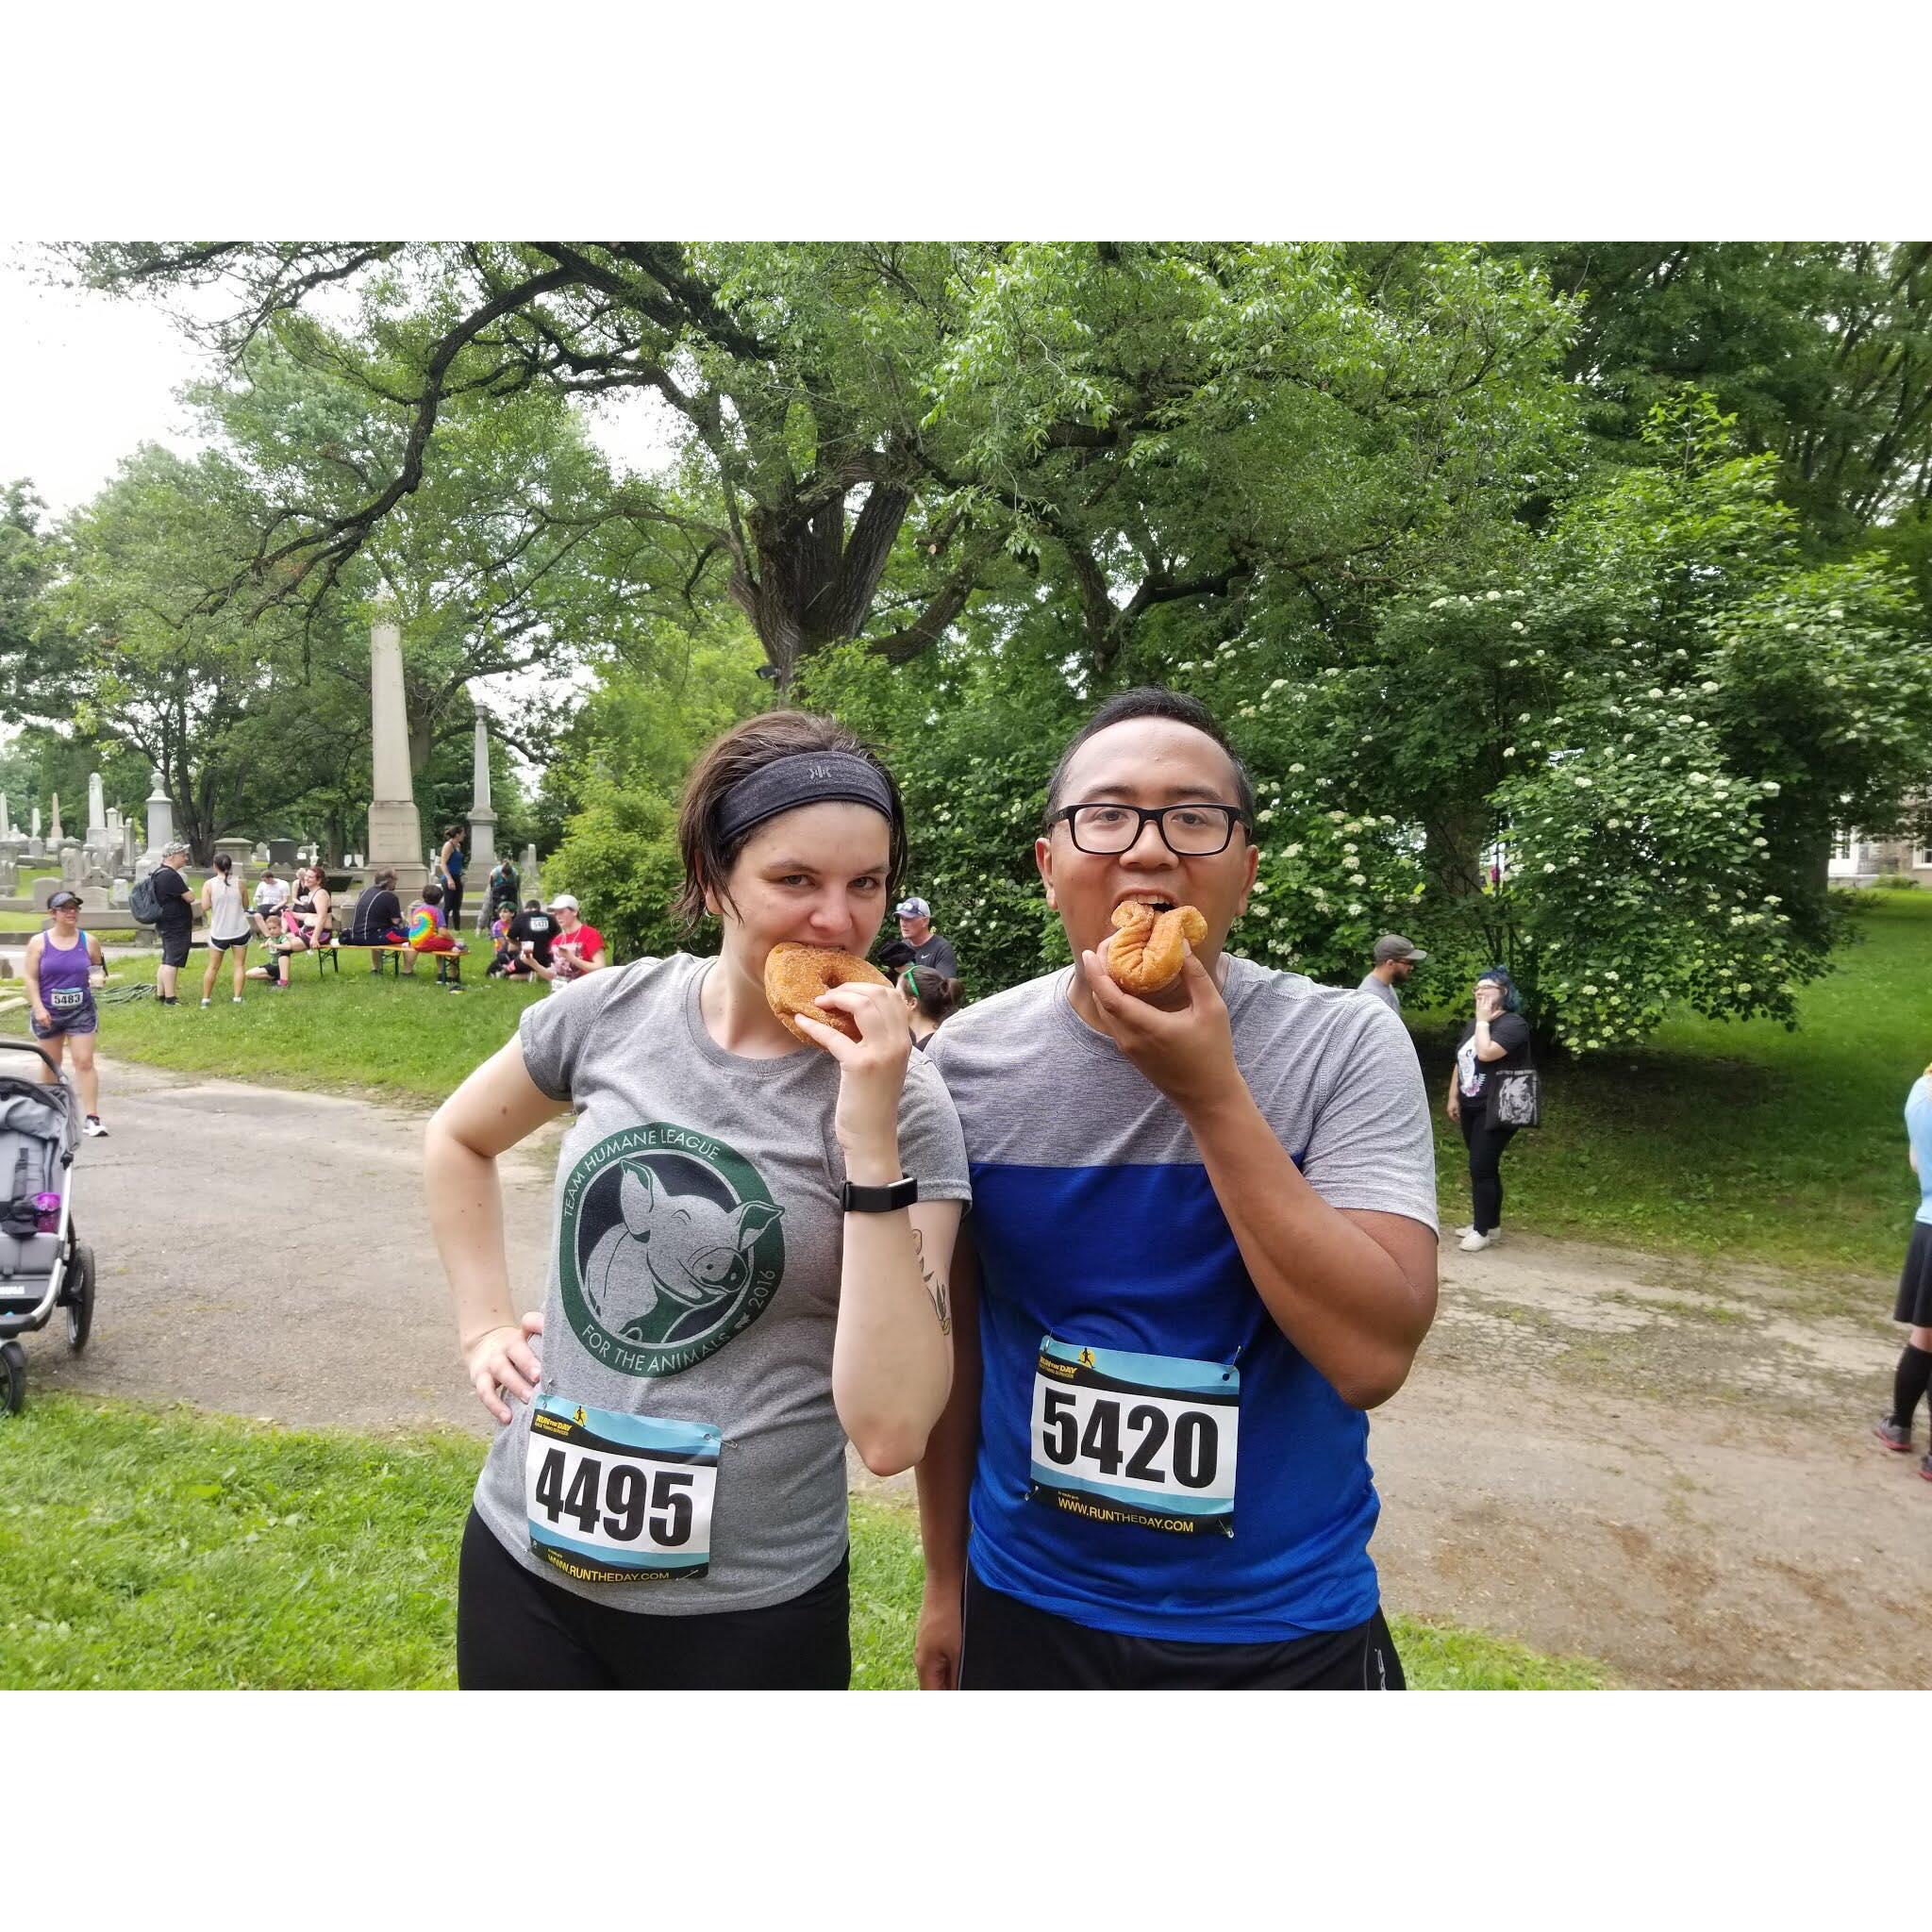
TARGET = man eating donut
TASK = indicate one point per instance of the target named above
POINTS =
(1202, 1245)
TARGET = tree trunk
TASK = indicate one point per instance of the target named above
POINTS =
(814, 584)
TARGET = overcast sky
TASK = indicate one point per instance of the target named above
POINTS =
(85, 378)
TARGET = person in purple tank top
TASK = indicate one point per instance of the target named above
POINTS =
(62, 968)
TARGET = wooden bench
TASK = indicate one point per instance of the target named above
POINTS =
(449, 966)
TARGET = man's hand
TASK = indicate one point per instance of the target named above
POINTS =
(938, 1640)
(1188, 1053)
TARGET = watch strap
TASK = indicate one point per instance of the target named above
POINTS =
(900, 1193)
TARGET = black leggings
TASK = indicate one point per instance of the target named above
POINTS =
(1008, 1645)
(517, 1631)
(452, 906)
(1486, 1146)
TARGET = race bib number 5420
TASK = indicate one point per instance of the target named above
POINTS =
(1147, 1440)
(616, 1498)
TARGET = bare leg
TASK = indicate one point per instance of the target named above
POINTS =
(164, 981)
(55, 1050)
(240, 956)
(1922, 1337)
(85, 1076)
(207, 977)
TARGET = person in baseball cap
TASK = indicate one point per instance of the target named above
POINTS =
(1395, 960)
(927, 947)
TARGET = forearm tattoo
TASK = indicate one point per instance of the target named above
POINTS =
(934, 1286)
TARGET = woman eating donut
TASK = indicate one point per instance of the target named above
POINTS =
(748, 1260)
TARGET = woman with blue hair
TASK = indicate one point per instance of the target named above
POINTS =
(1496, 1041)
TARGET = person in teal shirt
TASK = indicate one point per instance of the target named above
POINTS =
(1914, 1305)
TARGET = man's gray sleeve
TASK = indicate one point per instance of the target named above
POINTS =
(1373, 1145)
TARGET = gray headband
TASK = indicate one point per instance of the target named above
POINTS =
(804, 777)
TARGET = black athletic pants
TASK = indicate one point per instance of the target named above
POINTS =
(452, 906)
(516, 1631)
(1011, 1646)
(1486, 1146)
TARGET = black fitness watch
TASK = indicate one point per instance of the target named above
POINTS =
(901, 1193)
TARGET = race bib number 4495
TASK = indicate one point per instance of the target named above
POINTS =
(616, 1498)
(1148, 1440)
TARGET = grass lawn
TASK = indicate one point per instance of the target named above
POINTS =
(142, 1549)
(346, 1032)
(1744, 1140)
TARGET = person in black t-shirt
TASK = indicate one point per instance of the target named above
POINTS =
(531, 934)
(927, 947)
(377, 920)
(176, 923)
(1496, 1041)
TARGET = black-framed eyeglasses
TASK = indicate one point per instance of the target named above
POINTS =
(1190, 831)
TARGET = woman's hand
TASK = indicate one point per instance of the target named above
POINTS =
(502, 1360)
(872, 1075)
(937, 1640)
(1488, 1000)
(41, 1016)
(1454, 1108)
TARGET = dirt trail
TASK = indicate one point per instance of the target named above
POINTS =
(1655, 1463)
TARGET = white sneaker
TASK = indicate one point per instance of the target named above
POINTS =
(1467, 1227)
(1473, 1243)
(92, 1128)
(238, 999)
(207, 1003)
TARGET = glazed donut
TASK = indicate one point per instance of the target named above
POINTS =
(1145, 954)
(795, 975)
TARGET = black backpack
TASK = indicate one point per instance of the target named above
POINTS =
(144, 902)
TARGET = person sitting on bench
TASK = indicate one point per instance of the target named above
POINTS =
(428, 933)
(377, 920)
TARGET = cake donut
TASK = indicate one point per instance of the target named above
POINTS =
(1144, 955)
(795, 975)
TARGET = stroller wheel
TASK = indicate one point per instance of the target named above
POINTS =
(12, 1378)
(80, 1303)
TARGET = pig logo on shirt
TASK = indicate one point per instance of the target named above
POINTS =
(670, 1244)
(679, 1245)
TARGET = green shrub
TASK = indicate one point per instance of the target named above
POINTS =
(619, 859)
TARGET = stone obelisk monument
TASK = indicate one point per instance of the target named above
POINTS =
(395, 830)
(482, 829)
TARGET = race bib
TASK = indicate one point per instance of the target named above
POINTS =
(616, 1498)
(1148, 1440)
(66, 999)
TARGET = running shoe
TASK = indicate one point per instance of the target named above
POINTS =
(207, 1003)
(92, 1128)
(1893, 1436)
(1473, 1243)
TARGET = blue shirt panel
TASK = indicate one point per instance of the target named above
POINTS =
(1142, 1258)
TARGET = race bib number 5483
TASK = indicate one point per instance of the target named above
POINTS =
(620, 1498)
(1148, 1440)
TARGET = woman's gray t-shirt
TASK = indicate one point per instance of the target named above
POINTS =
(683, 1154)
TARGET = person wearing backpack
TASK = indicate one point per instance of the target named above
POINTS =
(1494, 1044)
(173, 920)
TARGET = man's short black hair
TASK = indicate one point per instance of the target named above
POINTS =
(1154, 700)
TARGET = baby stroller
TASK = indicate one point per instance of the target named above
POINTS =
(41, 1266)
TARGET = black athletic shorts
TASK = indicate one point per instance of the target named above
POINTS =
(1009, 1645)
(176, 943)
(518, 1631)
(223, 945)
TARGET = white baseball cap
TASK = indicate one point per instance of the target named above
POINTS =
(560, 902)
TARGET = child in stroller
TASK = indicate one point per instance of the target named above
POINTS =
(41, 1266)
